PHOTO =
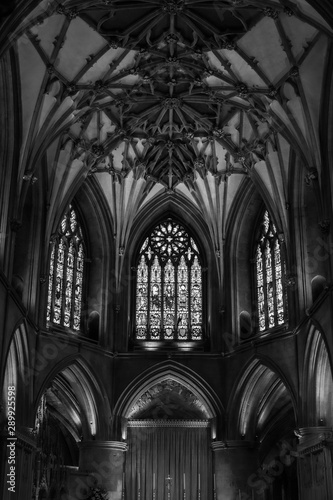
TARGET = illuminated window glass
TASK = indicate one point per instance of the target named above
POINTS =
(271, 299)
(169, 286)
(66, 274)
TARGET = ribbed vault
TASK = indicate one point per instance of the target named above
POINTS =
(185, 97)
(262, 405)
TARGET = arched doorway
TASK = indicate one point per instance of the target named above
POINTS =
(168, 426)
(168, 435)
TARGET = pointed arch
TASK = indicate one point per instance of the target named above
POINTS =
(185, 214)
(262, 403)
(212, 406)
(66, 271)
(18, 373)
(78, 397)
(270, 270)
(169, 285)
(317, 384)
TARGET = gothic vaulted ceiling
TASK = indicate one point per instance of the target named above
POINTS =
(190, 98)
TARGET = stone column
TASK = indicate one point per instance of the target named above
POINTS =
(18, 457)
(101, 462)
(314, 463)
(235, 463)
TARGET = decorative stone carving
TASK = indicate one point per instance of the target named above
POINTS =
(99, 86)
(269, 12)
(173, 6)
(229, 45)
(199, 163)
(242, 90)
(172, 103)
(311, 176)
(170, 390)
(72, 88)
(113, 43)
(294, 72)
(97, 149)
(288, 11)
(72, 14)
(218, 132)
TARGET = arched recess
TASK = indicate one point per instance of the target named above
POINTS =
(262, 406)
(28, 248)
(77, 398)
(9, 155)
(242, 225)
(317, 395)
(18, 374)
(94, 218)
(184, 212)
(207, 402)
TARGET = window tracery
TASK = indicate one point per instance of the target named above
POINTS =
(66, 274)
(169, 286)
(271, 297)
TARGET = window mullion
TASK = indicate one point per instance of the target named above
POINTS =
(274, 281)
(53, 292)
(64, 285)
(175, 321)
(75, 259)
(189, 300)
(162, 327)
(148, 301)
(265, 285)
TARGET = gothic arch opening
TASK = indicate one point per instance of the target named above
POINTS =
(168, 421)
(317, 381)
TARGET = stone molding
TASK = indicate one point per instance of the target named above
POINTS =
(169, 423)
(111, 445)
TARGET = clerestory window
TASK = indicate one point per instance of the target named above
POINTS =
(169, 285)
(270, 268)
(66, 274)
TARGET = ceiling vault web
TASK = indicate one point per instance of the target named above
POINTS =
(185, 97)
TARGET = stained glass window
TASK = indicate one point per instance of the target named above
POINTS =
(169, 286)
(271, 297)
(66, 274)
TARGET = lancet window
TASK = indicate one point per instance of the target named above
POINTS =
(271, 297)
(169, 285)
(66, 274)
